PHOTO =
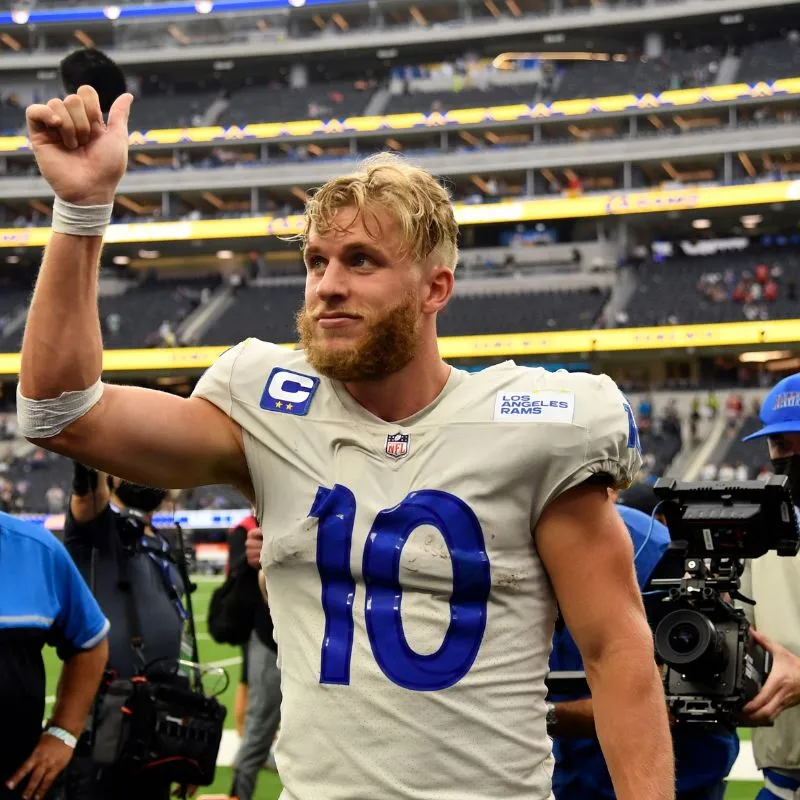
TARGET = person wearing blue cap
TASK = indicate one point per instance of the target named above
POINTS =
(774, 583)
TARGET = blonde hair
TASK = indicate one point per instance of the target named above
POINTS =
(386, 182)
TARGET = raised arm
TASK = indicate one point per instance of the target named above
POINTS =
(587, 553)
(145, 436)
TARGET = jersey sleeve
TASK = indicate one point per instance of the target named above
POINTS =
(611, 445)
(80, 622)
(215, 383)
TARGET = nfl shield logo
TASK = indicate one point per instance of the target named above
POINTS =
(396, 445)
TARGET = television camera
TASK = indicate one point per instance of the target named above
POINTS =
(712, 666)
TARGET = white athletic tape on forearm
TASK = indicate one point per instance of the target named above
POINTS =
(43, 419)
(80, 220)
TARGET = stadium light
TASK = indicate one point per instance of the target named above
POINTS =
(149, 254)
(701, 224)
(762, 356)
(20, 15)
(224, 254)
(751, 220)
(121, 261)
(112, 12)
(12, 259)
(203, 6)
(297, 3)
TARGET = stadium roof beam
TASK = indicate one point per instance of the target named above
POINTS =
(745, 161)
(341, 23)
(670, 170)
(84, 38)
(299, 193)
(9, 41)
(480, 183)
(513, 8)
(42, 208)
(213, 200)
(550, 178)
(177, 34)
(132, 205)
(418, 16)
(319, 21)
(492, 8)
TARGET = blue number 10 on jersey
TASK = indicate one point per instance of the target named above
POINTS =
(456, 522)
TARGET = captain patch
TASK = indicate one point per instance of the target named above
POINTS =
(542, 406)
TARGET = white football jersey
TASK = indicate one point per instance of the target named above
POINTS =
(412, 613)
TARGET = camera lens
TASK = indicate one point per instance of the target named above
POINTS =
(690, 642)
(684, 637)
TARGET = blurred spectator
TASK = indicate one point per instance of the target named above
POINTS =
(55, 498)
(708, 472)
(733, 411)
(764, 474)
(726, 473)
(742, 473)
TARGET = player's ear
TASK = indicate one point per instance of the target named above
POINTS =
(439, 283)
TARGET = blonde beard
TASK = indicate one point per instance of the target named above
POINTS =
(388, 344)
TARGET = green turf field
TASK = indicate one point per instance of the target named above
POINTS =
(269, 786)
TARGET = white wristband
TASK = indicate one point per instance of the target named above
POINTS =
(65, 736)
(80, 220)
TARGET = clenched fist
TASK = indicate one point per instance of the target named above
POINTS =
(81, 157)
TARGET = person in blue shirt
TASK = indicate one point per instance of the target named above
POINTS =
(703, 759)
(43, 600)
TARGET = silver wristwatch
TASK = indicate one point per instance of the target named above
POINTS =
(551, 717)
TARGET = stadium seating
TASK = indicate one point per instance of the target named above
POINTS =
(12, 117)
(753, 455)
(170, 110)
(771, 59)
(335, 99)
(12, 299)
(520, 312)
(675, 69)
(675, 292)
(269, 313)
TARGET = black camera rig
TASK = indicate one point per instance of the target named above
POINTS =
(712, 666)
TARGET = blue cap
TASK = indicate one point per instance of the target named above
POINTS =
(780, 411)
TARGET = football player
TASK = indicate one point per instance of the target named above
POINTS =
(423, 521)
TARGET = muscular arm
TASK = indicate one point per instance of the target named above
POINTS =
(143, 435)
(587, 552)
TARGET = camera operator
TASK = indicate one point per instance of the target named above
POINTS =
(703, 759)
(774, 583)
(108, 533)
